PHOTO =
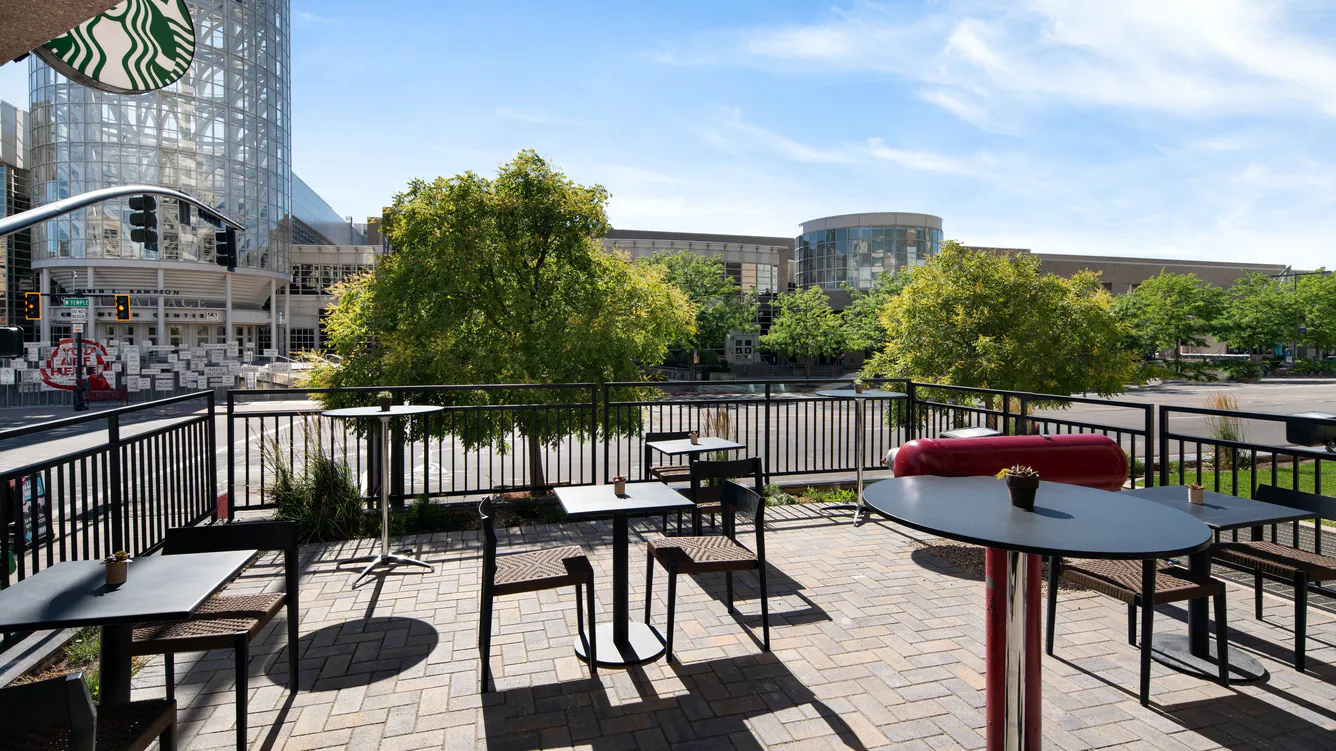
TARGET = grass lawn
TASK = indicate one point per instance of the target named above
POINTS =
(1284, 478)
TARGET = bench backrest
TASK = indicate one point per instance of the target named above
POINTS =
(1089, 459)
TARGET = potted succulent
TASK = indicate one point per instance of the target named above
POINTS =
(859, 386)
(118, 568)
(1196, 494)
(384, 398)
(1022, 483)
(619, 485)
(695, 437)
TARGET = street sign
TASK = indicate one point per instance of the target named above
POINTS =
(78, 328)
(75, 302)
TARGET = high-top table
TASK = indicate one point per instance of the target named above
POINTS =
(1067, 521)
(385, 556)
(1195, 653)
(75, 594)
(859, 398)
(632, 643)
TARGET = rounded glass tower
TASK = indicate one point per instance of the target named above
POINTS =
(222, 133)
(854, 249)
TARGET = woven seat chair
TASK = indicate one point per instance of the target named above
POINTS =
(59, 714)
(715, 553)
(665, 472)
(228, 621)
(515, 573)
(1129, 581)
(1289, 564)
(703, 472)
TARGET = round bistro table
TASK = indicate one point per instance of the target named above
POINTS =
(1068, 521)
(859, 399)
(386, 557)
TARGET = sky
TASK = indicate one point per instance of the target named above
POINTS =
(1166, 128)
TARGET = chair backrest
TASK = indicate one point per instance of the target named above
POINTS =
(648, 459)
(264, 535)
(63, 700)
(1089, 459)
(1323, 506)
(740, 499)
(488, 541)
(703, 471)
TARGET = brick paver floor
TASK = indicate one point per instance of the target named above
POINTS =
(875, 645)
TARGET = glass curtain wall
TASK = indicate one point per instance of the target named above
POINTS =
(857, 255)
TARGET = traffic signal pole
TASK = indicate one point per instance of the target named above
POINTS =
(79, 404)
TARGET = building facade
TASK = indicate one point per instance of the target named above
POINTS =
(854, 249)
(315, 271)
(16, 275)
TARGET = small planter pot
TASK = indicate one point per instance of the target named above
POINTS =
(619, 487)
(695, 439)
(859, 388)
(1022, 490)
(117, 573)
(1196, 495)
(385, 405)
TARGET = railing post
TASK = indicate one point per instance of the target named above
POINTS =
(114, 478)
(1150, 446)
(765, 451)
(1006, 413)
(1164, 444)
(593, 433)
(1023, 418)
(231, 502)
(911, 407)
(4, 525)
(607, 436)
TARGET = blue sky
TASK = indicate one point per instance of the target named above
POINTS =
(1175, 128)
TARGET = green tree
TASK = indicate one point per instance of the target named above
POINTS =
(1257, 313)
(973, 318)
(721, 307)
(497, 281)
(862, 316)
(1169, 311)
(805, 327)
(1316, 300)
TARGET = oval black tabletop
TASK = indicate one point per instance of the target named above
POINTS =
(1068, 520)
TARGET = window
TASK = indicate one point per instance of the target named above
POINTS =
(303, 339)
(175, 336)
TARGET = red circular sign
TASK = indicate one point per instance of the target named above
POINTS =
(58, 370)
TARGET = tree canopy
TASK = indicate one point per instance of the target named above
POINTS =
(1169, 311)
(804, 326)
(975, 318)
(503, 280)
(1257, 312)
(1317, 304)
(862, 316)
(721, 307)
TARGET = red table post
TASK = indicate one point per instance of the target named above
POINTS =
(996, 669)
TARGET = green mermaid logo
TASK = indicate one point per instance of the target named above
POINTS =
(137, 46)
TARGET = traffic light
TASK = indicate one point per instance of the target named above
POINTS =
(11, 341)
(183, 209)
(225, 248)
(122, 307)
(32, 306)
(144, 217)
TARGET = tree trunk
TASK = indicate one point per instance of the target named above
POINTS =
(537, 478)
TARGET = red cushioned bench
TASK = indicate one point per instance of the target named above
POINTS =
(1089, 459)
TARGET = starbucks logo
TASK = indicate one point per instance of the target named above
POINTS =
(137, 46)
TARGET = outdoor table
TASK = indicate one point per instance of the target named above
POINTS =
(703, 445)
(75, 594)
(1067, 521)
(386, 556)
(1195, 653)
(858, 398)
(634, 643)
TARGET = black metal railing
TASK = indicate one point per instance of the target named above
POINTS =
(123, 494)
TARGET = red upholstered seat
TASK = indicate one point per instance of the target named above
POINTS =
(1089, 459)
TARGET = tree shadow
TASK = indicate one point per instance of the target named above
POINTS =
(720, 697)
(358, 653)
(1242, 721)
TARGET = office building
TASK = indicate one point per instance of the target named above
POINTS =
(15, 196)
(850, 251)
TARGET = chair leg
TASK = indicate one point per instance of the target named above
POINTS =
(241, 647)
(1147, 625)
(593, 629)
(579, 613)
(167, 741)
(485, 639)
(1221, 637)
(672, 610)
(1132, 623)
(1300, 620)
(169, 674)
(765, 608)
(728, 586)
(1257, 593)
(1054, 576)
(649, 584)
(679, 523)
(293, 640)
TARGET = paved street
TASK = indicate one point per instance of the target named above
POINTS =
(876, 645)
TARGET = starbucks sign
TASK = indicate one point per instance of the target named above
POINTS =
(137, 46)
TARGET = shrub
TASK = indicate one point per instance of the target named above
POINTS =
(322, 497)
(829, 495)
(1243, 370)
(776, 497)
(1225, 428)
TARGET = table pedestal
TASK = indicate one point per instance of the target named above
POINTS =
(114, 666)
(623, 643)
(1195, 653)
(859, 509)
(1012, 673)
(385, 557)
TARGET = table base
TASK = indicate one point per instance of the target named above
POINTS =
(643, 644)
(860, 511)
(384, 559)
(114, 665)
(1172, 650)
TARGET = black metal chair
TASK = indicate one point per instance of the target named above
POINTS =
(713, 553)
(515, 573)
(228, 621)
(1289, 564)
(58, 713)
(667, 473)
(703, 472)
(1144, 584)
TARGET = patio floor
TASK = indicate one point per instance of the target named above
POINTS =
(876, 645)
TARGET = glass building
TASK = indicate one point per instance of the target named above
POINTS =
(15, 196)
(853, 249)
(314, 222)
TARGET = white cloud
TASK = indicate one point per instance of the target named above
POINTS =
(309, 17)
(928, 161)
(538, 117)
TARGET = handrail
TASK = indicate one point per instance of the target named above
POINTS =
(66, 422)
(46, 212)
